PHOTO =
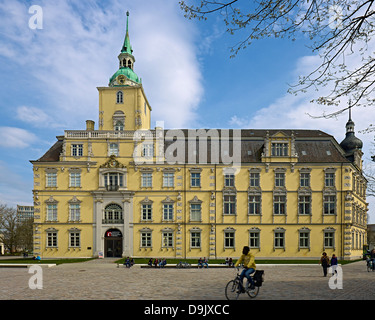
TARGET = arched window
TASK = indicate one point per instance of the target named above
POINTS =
(120, 97)
(113, 214)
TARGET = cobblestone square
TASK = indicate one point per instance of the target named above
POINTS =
(103, 280)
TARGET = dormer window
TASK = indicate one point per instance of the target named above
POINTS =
(279, 149)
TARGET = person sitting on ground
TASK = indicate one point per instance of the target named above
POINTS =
(156, 263)
(205, 262)
(248, 261)
(127, 262)
(230, 262)
(150, 262)
(200, 263)
(163, 263)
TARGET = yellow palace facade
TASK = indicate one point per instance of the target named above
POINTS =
(125, 189)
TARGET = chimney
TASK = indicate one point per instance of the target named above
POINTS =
(90, 125)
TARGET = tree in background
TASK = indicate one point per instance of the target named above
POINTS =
(15, 235)
(338, 30)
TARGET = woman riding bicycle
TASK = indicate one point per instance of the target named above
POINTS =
(248, 261)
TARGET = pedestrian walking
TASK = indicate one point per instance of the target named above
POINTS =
(324, 261)
(334, 264)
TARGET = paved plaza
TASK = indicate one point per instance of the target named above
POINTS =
(101, 279)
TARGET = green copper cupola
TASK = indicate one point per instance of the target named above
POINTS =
(125, 75)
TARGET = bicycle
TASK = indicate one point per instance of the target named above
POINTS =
(234, 287)
(183, 265)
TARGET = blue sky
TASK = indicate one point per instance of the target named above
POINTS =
(49, 77)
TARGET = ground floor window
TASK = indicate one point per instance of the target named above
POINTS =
(167, 239)
(52, 239)
(329, 239)
(304, 239)
(195, 240)
(146, 239)
(74, 239)
(254, 240)
(229, 239)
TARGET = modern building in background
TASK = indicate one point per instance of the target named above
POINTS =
(126, 189)
(25, 213)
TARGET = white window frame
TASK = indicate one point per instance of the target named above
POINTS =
(77, 149)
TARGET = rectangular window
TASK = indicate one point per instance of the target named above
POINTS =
(329, 204)
(329, 179)
(146, 240)
(280, 179)
(74, 212)
(52, 212)
(304, 239)
(146, 179)
(304, 204)
(195, 240)
(229, 180)
(196, 179)
(254, 204)
(147, 212)
(113, 149)
(279, 205)
(229, 204)
(168, 211)
(168, 179)
(279, 149)
(147, 150)
(75, 239)
(305, 180)
(52, 239)
(254, 180)
(229, 239)
(74, 179)
(77, 150)
(51, 179)
(195, 212)
(329, 238)
(279, 239)
(167, 239)
(254, 240)
(113, 180)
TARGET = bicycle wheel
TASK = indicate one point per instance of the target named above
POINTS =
(231, 290)
(252, 293)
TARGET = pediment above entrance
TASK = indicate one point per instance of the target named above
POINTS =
(112, 163)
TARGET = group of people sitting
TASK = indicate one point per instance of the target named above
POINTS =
(229, 262)
(129, 262)
(202, 262)
(161, 263)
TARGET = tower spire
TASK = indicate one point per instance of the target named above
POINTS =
(125, 75)
(126, 47)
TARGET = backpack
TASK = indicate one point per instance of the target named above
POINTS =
(258, 278)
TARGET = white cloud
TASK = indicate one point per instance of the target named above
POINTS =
(32, 115)
(11, 137)
(77, 51)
